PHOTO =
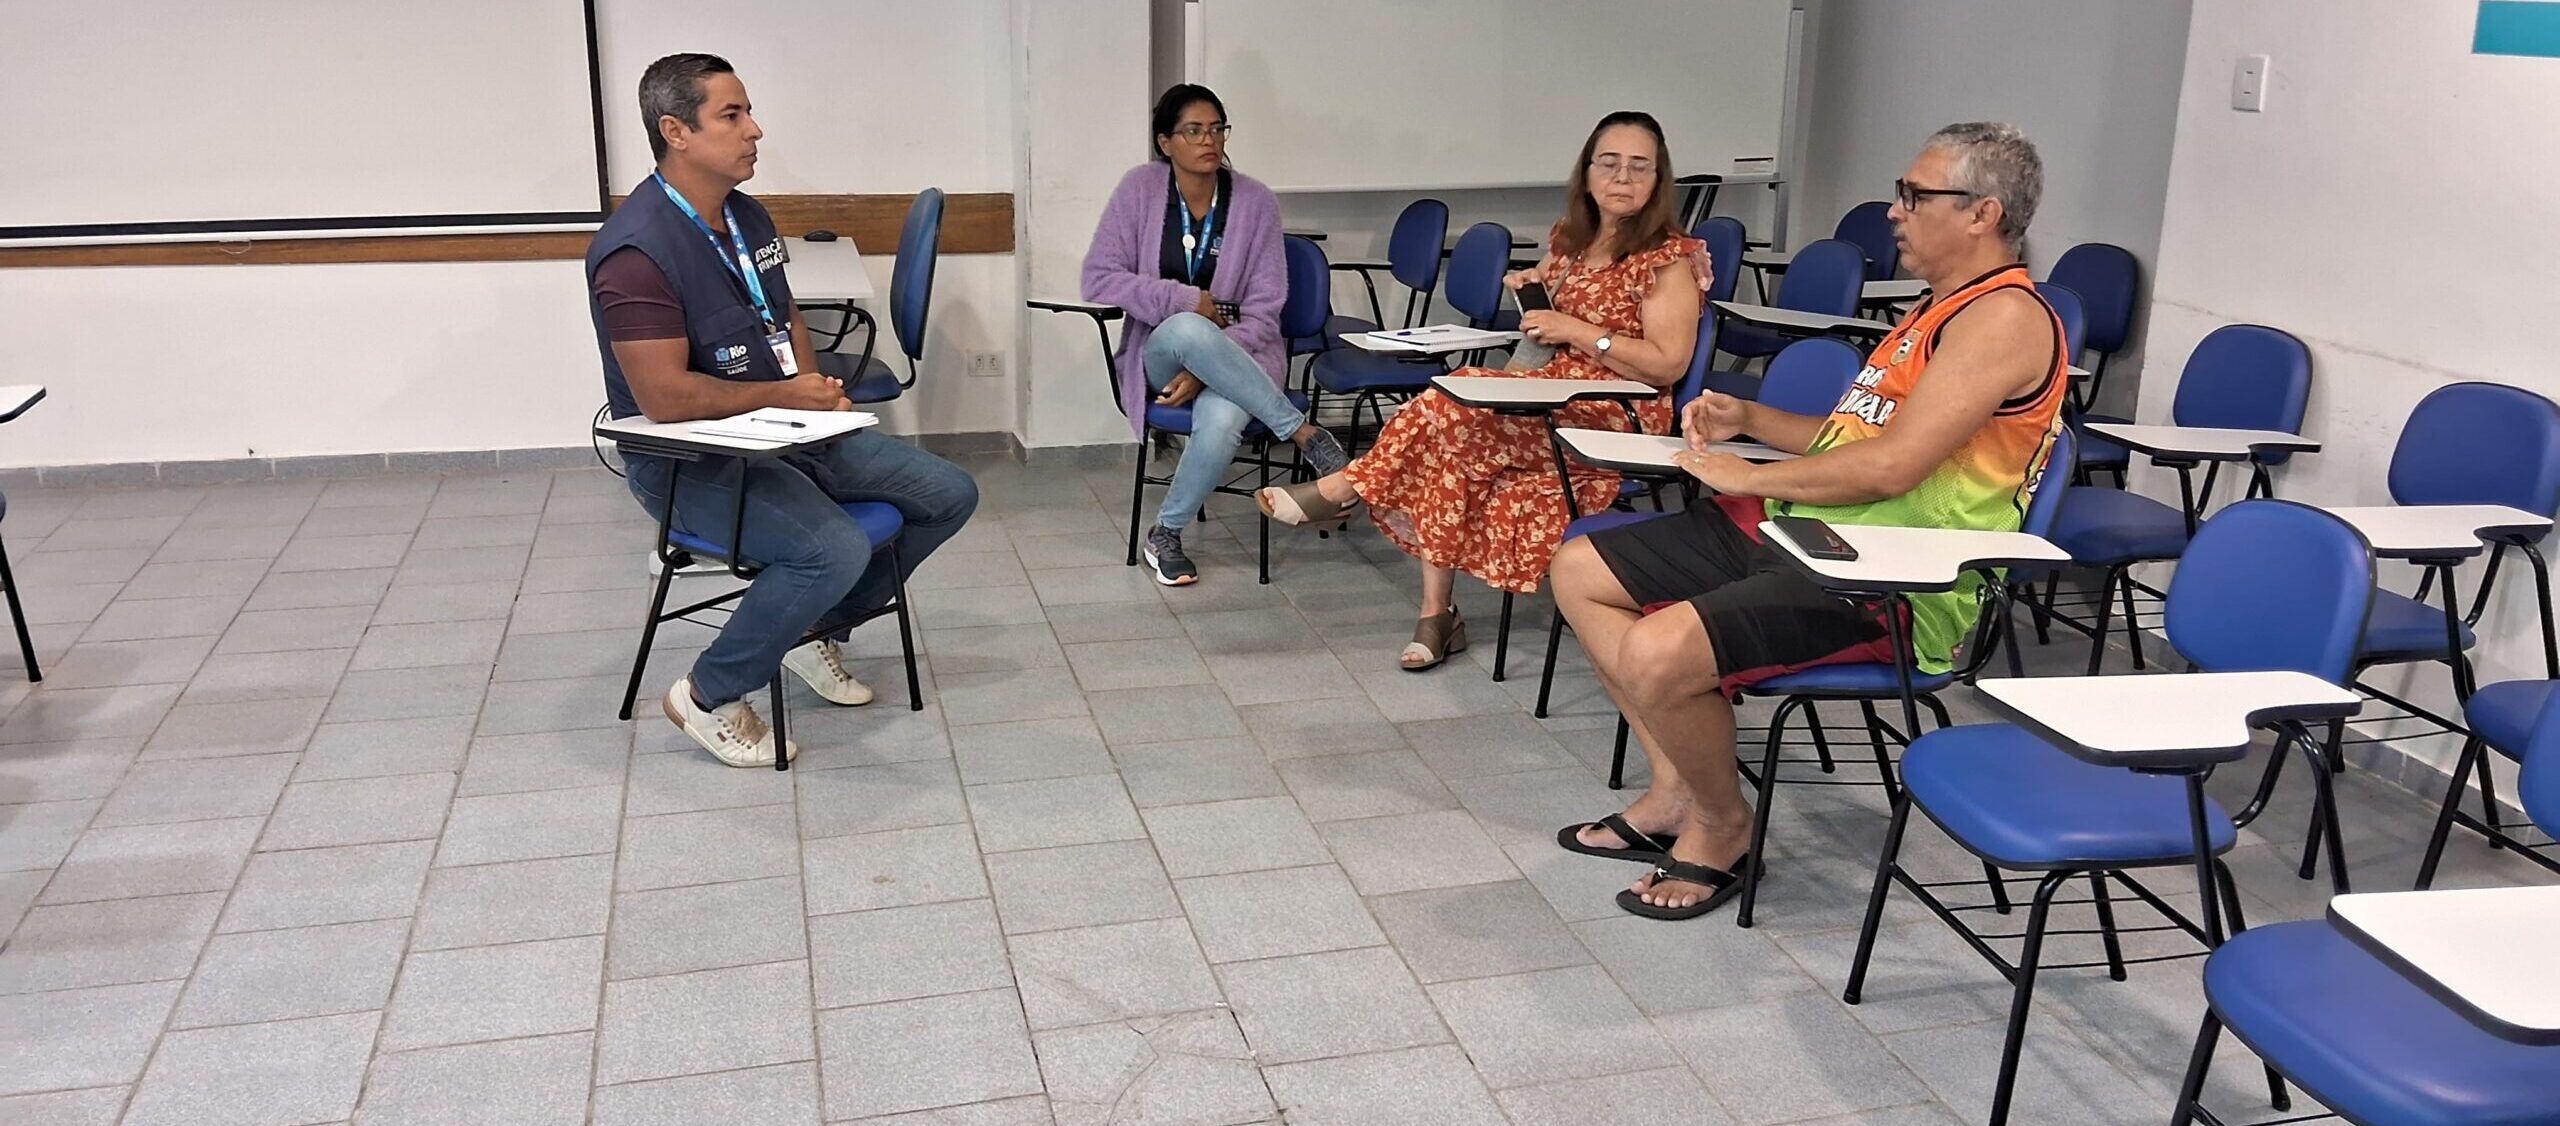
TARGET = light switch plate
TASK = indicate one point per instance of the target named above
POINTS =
(2249, 84)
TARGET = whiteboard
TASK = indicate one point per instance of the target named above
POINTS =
(1349, 95)
(249, 114)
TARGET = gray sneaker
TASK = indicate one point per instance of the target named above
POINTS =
(1164, 556)
(1324, 454)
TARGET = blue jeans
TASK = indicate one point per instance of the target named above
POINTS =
(817, 563)
(1234, 391)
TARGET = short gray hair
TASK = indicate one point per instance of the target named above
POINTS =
(1994, 160)
(672, 87)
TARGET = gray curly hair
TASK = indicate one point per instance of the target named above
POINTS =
(1994, 160)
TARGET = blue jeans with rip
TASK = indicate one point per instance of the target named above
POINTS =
(818, 565)
(1234, 391)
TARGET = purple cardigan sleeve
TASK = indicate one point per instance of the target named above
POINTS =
(1118, 271)
(1266, 283)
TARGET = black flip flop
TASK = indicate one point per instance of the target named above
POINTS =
(1721, 885)
(1644, 846)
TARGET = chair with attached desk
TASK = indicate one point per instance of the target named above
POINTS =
(14, 401)
(1824, 278)
(2108, 278)
(2414, 1008)
(2102, 777)
(677, 550)
(867, 378)
(1413, 260)
(1302, 313)
(1870, 227)
(1724, 236)
(1371, 378)
(2240, 378)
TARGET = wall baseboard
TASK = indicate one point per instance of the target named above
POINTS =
(232, 470)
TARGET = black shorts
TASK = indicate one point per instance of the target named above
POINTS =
(1763, 616)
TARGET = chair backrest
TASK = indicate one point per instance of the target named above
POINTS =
(2539, 784)
(2075, 318)
(1868, 227)
(2061, 464)
(2245, 377)
(2480, 443)
(1413, 246)
(911, 280)
(1825, 278)
(1811, 375)
(1476, 266)
(2270, 584)
(1724, 237)
(1310, 301)
(1701, 361)
(2106, 277)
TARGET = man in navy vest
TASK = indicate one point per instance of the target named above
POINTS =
(695, 320)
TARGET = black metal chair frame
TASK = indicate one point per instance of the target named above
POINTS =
(671, 558)
(18, 618)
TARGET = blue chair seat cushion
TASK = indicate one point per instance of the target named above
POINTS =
(2502, 714)
(875, 383)
(2013, 799)
(1177, 420)
(2100, 526)
(878, 520)
(1603, 521)
(2365, 1040)
(2401, 628)
(1853, 679)
(1350, 371)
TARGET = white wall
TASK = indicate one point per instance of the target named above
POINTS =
(184, 363)
(2093, 82)
(2390, 207)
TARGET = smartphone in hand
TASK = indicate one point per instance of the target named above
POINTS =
(1230, 311)
(1533, 296)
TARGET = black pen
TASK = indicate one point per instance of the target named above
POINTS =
(784, 422)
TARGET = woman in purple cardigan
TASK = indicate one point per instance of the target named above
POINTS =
(1190, 249)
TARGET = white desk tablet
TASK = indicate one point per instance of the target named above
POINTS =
(1429, 341)
(1496, 392)
(1913, 560)
(2171, 719)
(2438, 531)
(1893, 289)
(2201, 443)
(678, 439)
(1650, 453)
(1791, 321)
(2485, 951)
(826, 272)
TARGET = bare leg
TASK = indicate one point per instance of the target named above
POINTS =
(1337, 488)
(1668, 670)
(1439, 590)
(1602, 611)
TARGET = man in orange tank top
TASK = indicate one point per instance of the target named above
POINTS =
(1948, 426)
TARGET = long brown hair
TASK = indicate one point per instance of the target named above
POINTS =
(1643, 230)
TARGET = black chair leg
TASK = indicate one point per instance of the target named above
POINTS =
(1760, 814)
(2106, 607)
(781, 730)
(2107, 925)
(2024, 995)
(1618, 758)
(1502, 638)
(2488, 808)
(2199, 1065)
(1547, 672)
(2462, 768)
(1887, 864)
(2132, 625)
(18, 618)
(648, 635)
(1138, 492)
(906, 634)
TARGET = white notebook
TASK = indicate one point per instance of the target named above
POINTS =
(776, 424)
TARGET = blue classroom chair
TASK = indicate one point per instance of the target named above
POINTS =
(868, 379)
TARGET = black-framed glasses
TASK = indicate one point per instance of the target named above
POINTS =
(1197, 133)
(1909, 197)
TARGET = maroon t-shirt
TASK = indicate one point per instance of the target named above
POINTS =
(635, 298)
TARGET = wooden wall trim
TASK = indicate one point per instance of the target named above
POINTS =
(972, 223)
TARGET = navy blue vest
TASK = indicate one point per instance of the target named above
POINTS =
(723, 335)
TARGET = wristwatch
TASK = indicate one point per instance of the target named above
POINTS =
(1602, 345)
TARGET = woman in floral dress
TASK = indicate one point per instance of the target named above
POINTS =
(1463, 489)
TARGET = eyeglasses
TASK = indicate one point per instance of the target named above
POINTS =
(1637, 171)
(1197, 133)
(1909, 197)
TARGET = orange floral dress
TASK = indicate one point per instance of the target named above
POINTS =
(1474, 491)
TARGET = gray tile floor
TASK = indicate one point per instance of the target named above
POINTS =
(323, 814)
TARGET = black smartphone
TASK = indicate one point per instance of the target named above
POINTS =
(1231, 311)
(1816, 539)
(1533, 296)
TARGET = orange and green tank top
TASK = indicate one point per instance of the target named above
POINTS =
(1984, 485)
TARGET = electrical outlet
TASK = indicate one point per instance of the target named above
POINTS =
(2249, 84)
(986, 365)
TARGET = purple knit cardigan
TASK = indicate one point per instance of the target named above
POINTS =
(1121, 269)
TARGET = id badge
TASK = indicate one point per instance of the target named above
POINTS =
(780, 342)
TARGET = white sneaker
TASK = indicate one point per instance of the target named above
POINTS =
(821, 665)
(732, 732)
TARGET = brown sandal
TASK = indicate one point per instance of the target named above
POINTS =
(1299, 504)
(1435, 638)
